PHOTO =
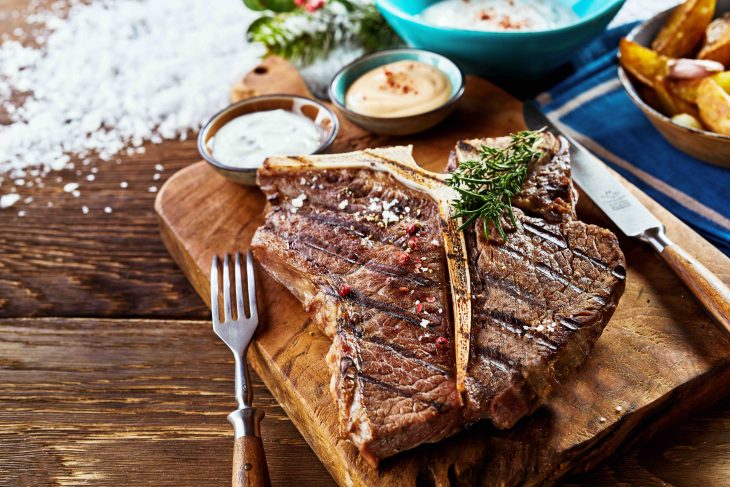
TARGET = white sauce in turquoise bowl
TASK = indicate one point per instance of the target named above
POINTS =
(498, 15)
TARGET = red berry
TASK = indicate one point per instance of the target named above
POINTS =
(403, 258)
(411, 229)
(344, 290)
(442, 343)
(413, 243)
(419, 307)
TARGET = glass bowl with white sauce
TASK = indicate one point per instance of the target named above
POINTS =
(237, 140)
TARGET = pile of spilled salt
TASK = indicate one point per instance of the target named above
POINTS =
(111, 75)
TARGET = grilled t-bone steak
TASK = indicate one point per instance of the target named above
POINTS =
(365, 255)
(542, 298)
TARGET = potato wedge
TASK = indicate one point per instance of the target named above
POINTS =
(687, 120)
(671, 104)
(687, 89)
(723, 79)
(714, 105)
(643, 63)
(685, 28)
(717, 41)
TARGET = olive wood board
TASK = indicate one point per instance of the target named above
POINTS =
(659, 359)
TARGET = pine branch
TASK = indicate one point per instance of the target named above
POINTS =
(304, 37)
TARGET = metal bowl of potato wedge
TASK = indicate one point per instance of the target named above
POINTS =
(676, 68)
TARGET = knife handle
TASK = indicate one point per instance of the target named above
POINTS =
(249, 463)
(706, 286)
(249, 460)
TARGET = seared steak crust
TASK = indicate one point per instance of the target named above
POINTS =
(539, 302)
(365, 255)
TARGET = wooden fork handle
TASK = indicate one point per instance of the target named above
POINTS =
(706, 286)
(249, 460)
(249, 463)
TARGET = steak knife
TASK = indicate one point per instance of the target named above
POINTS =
(635, 220)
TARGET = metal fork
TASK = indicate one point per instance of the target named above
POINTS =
(249, 461)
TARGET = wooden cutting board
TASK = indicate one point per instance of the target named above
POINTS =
(659, 359)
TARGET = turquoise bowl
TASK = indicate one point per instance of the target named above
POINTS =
(520, 54)
(396, 125)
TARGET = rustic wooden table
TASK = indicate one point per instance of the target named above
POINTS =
(111, 374)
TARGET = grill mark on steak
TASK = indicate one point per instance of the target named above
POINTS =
(545, 269)
(507, 321)
(392, 310)
(383, 342)
(384, 269)
(437, 405)
(496, 357)
(515, 325)
(562, 244)
(512, 288)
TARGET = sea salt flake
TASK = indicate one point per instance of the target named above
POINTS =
(8, 200)
(70, 187)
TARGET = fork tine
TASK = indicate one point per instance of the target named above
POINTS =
(226, 290)
(214, 290)
(240, 311)
(251, 286)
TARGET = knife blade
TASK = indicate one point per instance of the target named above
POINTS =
(635, 220)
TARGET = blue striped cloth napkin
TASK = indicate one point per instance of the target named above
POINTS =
(597, 111)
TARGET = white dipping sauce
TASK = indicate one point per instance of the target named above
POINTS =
(247, 140)
(498, 15)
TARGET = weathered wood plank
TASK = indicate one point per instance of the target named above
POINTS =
(57, 261)
(128, 402)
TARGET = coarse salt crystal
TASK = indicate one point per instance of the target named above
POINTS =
(107, 209)
(84, 210)
(90, 177)
(159, 167)
(156, 176)
(424, 323)
(343, 204)
(152, 189)
(70, 187)
(123, 185)
(76, 193)
(297, 202)
(21, 213)
(8, 200)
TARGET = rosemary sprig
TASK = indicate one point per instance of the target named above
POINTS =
(487, 185)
